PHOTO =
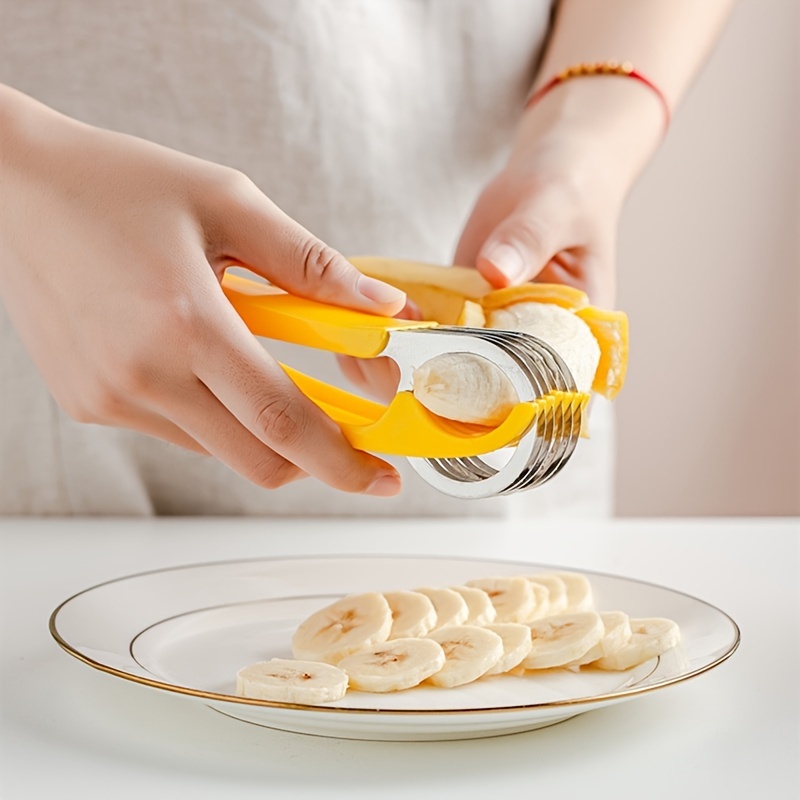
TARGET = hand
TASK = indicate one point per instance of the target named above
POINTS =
(551, 215)
(547, 216)
(111, 253)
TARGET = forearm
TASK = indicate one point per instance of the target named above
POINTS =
(666, 40)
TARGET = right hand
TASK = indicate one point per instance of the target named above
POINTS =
(111, 253)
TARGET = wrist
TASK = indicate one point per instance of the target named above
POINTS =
(607, 125)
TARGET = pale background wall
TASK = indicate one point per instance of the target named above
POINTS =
(709, 420)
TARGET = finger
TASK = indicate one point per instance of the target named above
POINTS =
(155, 425)
(194, 409)
(376, 376)
(353, 370)
(276, 247)
(253, 387)
(585, 269)
(410, 311)
(520, 246)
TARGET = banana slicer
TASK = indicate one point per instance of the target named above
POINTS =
(459, 459)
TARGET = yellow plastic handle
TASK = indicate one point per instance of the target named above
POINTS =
(271, 312)
(406, 428)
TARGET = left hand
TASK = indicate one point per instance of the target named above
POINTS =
(546, 217)
(550, 215)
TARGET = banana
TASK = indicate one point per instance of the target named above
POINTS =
(617, 633)
(516, 645)
(564, 331)
(579, 591)
(541, 601)
(394, 665)
(479, 605)
(289, 681)
(650, 637)
(469, 652)
(451, 607)
(556, 591)
(471, 316)
(557, 641)
(469, 388)
(464, 387)
(512, 598)
(350, 624)
(413, 614)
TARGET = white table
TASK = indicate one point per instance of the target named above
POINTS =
(70, 731)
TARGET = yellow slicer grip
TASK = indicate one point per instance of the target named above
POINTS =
(274, 314)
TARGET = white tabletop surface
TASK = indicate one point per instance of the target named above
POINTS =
(734, 732)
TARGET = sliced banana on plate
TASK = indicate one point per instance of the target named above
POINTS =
(479, 605)
(394, 665)
(289, 681)
(517, 644)
(470, 651)
(512, 598)
(617, 633)
(579, 591)
(451, 636)
(649, 638)
(559, 640)
(451, 607)
(346, 626)
(413, 614)
(557, 598)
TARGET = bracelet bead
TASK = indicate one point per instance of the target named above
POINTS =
(624, 69)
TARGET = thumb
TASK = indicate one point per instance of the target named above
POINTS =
(520, 246)
(273, 245)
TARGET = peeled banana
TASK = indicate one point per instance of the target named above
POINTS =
(517, 644)
(470, 652)
(512, 598)
(413, 614)
(559, 640)
(464, 387)
(451, 607)
(290, 681)
(649, 638)
(394, 665)
(479, 605)
(353, 623)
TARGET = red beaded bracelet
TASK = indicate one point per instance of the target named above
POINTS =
(625, 69)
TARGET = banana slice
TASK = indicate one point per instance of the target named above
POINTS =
(469, 652)
(617, 634)
(512, 598)
(350, 624)
(649, 638)
(516, 645)
(288, 681)
(451, 607)
(394, 665)
(557, 641)
(464, 387)
(541, 601)
(556, 591)
(579, 591)
(479, 604)
(413, 614)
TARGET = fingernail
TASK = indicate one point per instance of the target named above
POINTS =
(385, 486)
(507, 260)
(380, 292)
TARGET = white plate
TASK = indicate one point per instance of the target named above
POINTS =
(190, 629)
